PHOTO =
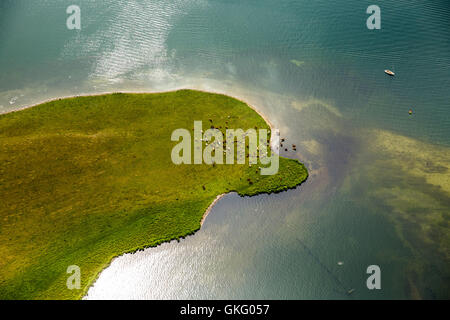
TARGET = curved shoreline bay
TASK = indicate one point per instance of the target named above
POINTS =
(86, 179)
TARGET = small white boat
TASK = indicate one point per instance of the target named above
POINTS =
(389, 72)
(340, 263)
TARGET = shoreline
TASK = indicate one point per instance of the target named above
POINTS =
(269, 123)
(141, 92)
(208, 210)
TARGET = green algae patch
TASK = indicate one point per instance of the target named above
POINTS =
(298, 63)
(412, 180)
(85, 179)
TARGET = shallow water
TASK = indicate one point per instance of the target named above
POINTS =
(316, 71)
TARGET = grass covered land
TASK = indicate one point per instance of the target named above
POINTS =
(85, 179)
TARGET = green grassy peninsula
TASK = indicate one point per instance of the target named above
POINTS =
(85, 179)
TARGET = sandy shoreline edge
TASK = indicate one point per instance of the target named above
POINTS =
(220, 196)
(138, 92)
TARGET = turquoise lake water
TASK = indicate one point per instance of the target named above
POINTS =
(379, 186)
